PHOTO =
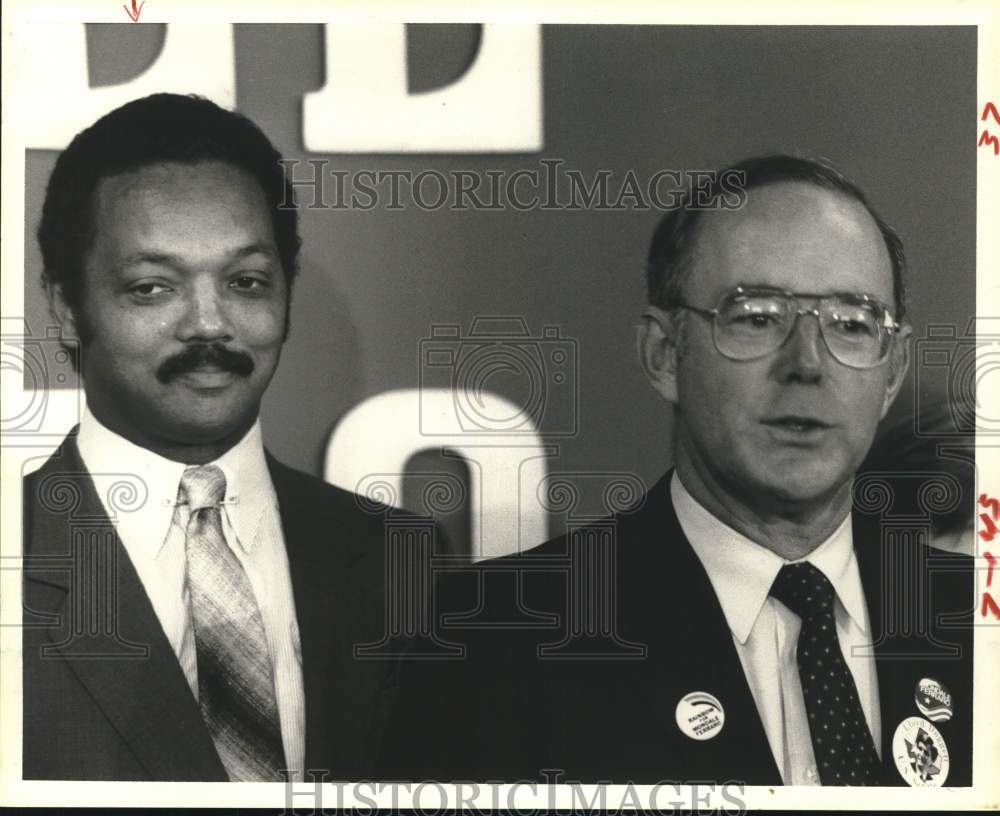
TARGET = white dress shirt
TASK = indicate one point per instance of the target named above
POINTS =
(766, 632)
(153, 534)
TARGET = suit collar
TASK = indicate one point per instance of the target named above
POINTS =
(743, 571)
(145, 522)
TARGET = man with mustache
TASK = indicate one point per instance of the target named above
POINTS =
(205, 626)
(760, 627)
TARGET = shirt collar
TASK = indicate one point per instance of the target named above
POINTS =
(249, 490)
(741, 571)
(106, 454)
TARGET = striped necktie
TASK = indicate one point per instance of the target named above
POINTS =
(842, 743)
(235, 678)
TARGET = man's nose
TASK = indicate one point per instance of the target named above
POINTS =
(206, 316)
(801, 355)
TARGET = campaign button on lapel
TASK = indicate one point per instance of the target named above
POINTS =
(700, 715)
(920, 753)
(933, 700)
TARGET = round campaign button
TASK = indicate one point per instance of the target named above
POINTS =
(920, 753)
(700, 715)
(933, 700)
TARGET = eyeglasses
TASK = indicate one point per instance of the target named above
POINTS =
(752, 322)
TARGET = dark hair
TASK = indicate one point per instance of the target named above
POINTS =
(926, 740)
(670, 250)
(158, 128)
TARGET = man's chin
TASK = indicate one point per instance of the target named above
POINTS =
(208, 426)
(803, 487)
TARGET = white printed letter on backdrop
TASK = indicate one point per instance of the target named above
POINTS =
(494, 107)
(378, 436)
(58, 102)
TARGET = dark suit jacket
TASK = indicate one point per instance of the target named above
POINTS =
(613, 719)
(110, 701)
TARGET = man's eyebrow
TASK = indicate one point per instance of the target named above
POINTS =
(259, 248)
(159, 258)
(178, 262)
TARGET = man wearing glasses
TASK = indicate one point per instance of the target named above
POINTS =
(764, 631)
(778, 331)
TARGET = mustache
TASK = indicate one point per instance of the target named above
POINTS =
(197, 355)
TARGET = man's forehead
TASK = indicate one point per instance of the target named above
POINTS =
(793, 235)
(200, 210)
(799, 204)
(153, 178)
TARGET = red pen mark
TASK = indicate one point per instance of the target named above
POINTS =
(989, 605)
(992, 504)
(988, 520)
(134, 13)
(986, 138)
(991, 528)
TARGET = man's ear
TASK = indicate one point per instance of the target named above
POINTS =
(899, 362)
(657, 337)
(61, 311)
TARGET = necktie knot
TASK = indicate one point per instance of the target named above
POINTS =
(203, 486)
(804, 589)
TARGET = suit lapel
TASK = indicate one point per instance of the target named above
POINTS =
(891, 667)
(336, 572)
(692, 646)
(907, 648)
(129, 669)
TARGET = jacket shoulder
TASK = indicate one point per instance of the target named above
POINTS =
(305, 488)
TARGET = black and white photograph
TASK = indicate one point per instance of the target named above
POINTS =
(499, 409)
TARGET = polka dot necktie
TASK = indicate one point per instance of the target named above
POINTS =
(235, 680)
(842, 743)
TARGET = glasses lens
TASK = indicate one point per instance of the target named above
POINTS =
(751, 325)
(853, 331)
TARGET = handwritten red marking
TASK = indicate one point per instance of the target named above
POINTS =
(992, 504)
(989, 605)
(988, 139)
(134, 13)
(994, 507)
(991, 110)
